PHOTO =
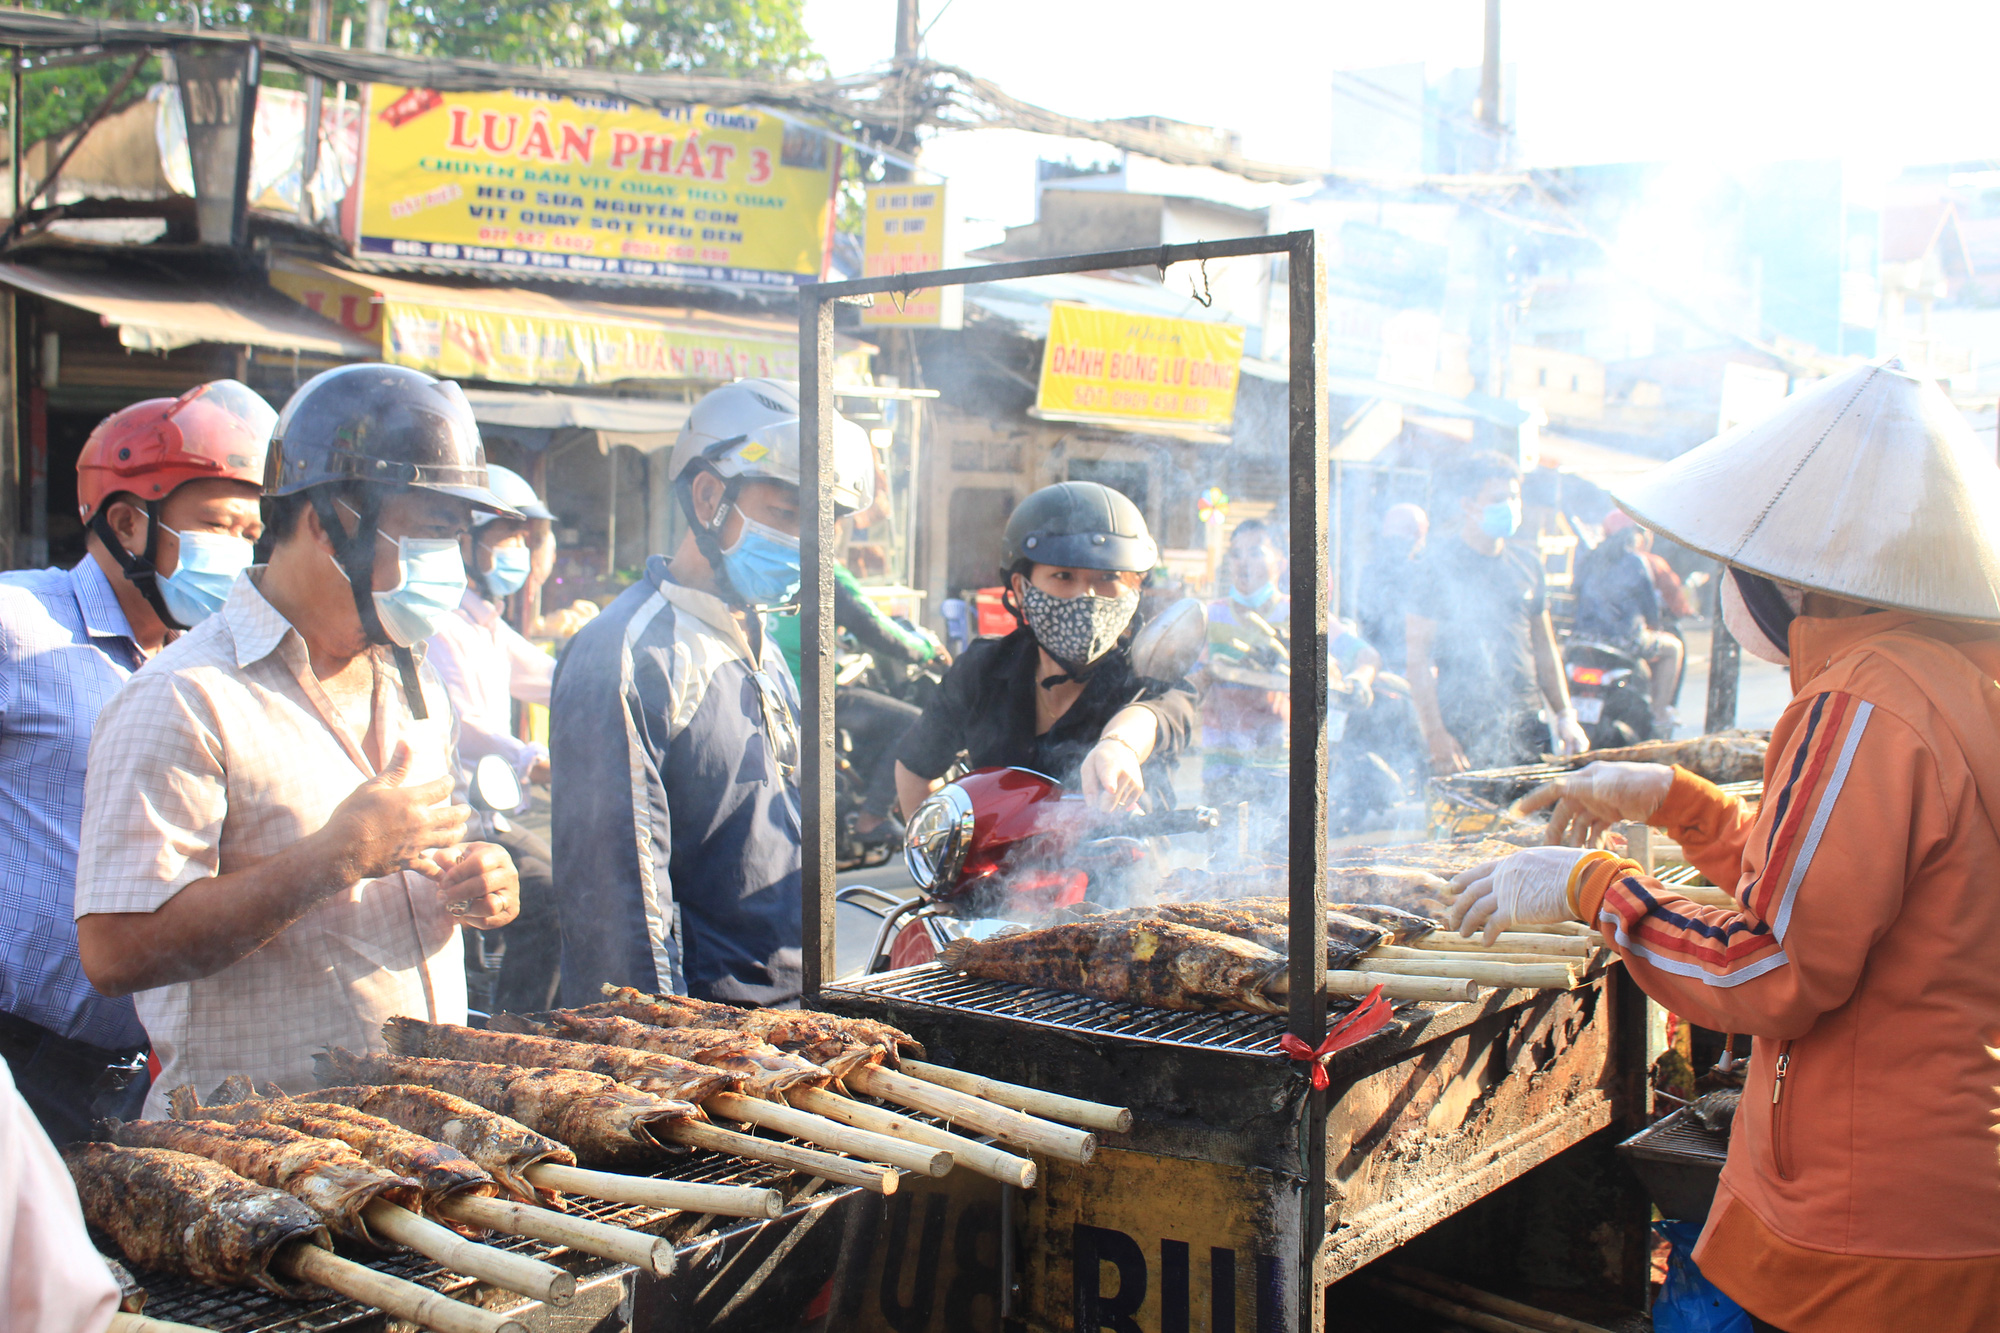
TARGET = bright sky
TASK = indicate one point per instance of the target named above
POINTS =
(1597, 80)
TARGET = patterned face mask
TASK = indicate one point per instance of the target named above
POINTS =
(1076, 631)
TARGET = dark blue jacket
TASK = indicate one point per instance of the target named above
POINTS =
(676, 819)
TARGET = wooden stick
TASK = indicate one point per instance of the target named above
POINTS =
(391, 1295)
(1547, 975)
(782, 1119)
(644, 1191)
(1071, 1145)
(1437, 990)
(1568, 928)
(1707, 895)
(1460, 1314)
(442, 1245)
(1486, 1300)
(874, 1179)
(971, 1154)
(138, 1323)
(1555, 946)
(1405, 954)
(1049, 1105)
(649, 1253)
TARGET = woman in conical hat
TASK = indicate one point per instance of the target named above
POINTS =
(1861, 527)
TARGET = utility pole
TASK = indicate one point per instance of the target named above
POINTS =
(375, 34)
(906, 29)
(1489, 331)
(319, 28)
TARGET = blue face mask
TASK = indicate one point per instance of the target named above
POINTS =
(763, 565)
(1256, 599)
(200, 583)
(1501, 519)
(431, 587)
(510, 571)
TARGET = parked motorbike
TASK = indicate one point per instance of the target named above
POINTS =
(1611, 691)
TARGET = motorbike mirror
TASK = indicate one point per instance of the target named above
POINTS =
(1169, 644)
(494, 788)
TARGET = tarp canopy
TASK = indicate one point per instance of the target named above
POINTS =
(536, 420)
(1598, 463)
(155, 314)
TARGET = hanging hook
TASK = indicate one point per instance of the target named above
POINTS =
(1205, 297)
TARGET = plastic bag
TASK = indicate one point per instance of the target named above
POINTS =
(1689, 1302)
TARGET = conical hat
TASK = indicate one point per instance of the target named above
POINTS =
(1868, 485)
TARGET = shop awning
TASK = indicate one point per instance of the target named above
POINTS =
(1598, 463)
(536, 419)
(154, 314)
(511, 335)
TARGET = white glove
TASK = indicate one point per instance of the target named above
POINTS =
(1570, 737)
(1596, 796)
(1529, 888)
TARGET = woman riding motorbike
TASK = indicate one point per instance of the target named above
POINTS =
(1059, 695)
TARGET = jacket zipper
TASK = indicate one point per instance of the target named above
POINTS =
(1778, 1138)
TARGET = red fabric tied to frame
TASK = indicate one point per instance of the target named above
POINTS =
(1365, 1020)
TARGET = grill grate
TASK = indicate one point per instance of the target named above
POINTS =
(936, 987)
(232, 1310)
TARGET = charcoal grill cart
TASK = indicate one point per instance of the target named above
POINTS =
(1241, 1192)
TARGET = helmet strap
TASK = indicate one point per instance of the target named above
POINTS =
(705, 539)
(354, 552)
(141, 571)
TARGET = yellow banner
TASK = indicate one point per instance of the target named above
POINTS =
(1105, 364)
(545, 182)
(904, 233)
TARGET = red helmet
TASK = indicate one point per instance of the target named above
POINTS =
(218, 430)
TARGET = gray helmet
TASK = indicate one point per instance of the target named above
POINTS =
(512, 488)
(1079, 525)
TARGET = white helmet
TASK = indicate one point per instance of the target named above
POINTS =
(750, 430)
(514, 490)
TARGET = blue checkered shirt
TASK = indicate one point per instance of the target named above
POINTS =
(65, 648)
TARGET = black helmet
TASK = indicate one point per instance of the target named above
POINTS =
(1079, 525)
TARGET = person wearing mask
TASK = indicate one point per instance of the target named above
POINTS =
(167, 490)
(270, 861)
(673, 722)
(1246, 709)
(1058, 695)
(1858, 948)
(1618, 603)
(485, 665)
(1675, 602)
(1482, 652)
(1385, 590)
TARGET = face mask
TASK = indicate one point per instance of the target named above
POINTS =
(1076, 631)
(1501, 519)
(200, 583)
(432, 585)
(1256, 599)
(1764, 632)
(763, 565)
(510, 571)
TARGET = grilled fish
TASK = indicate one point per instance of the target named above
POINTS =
(605, 1122)
(1400, 925)
(131, 1296)
(174, 1212)
(504, 1148)
(325, 1174)
(1262, 921)
(1723, 756)
(661, 1075)
(443, 1172)
(1148, 962)
(765, 1070)
(838, 1044)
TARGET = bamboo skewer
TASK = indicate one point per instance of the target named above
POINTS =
(722, 1200)
(828, 1133)
(1486, 1300)
(649, 1253)
(1568, 928)
(138, 1323)
(1435, 989)
(1050, 1105)
(1071, 1145)
(391, 1295)
(984, 1159)
(1402, 953)
(875, 1179)
(1470, 967)
(515, 1272)
(1706, 895)
(1555, 946)
(1460, 1314)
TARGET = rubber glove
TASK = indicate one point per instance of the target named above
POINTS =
(1596, 796)
(1570, 737)
(1533, 887)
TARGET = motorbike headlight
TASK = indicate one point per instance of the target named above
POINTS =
(939, 834)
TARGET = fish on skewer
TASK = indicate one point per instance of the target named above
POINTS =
(604, 1121)
(503, 1147)
(1401, 926)
(660, 1075)
(834, 1043)
(1148, 961)
(1261, 921)
(441, 1171)
(176, 1212)
(765, 1070)
(325, 1174)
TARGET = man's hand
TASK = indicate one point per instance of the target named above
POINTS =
(1570, 735)
(1592, 799)
(1529, 888)
(1111, 777)
(1447, 755)
(477, 883)
(538, 773)
(384, 826)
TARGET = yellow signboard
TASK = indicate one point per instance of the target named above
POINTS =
(555, 184)
(904, 233)
(1113, 366)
